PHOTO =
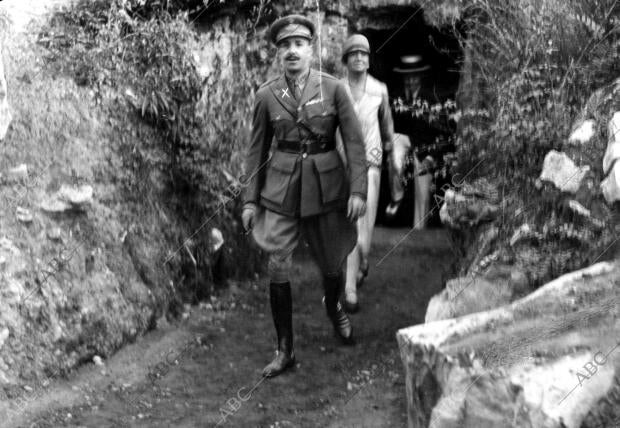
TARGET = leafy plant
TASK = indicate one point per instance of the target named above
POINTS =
(137, 56)
(534, 65)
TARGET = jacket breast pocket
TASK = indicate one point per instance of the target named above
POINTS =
(283, 126)
(322, 117)
(332, 176)
(278, 178)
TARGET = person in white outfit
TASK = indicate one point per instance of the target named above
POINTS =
(371, 103)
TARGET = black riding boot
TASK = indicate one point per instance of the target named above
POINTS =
(342, 325)
(282, 312)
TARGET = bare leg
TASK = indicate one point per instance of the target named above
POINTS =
(350, 288)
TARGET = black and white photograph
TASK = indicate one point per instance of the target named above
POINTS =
(310, 213)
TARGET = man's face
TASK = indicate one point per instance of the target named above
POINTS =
(358, 61)
(412, 82)
(295, 54)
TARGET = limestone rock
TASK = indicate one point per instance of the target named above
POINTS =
(498, 286)
(582, 211)
(24, 215)
(559, 169)
(471, 205)
(55, 233)
(583, 133)
(5, 111)
(76, 195)
(217, 239)
(68, 198)
(14, 263)
(521, 364)
(464, 295)
(613, 145)
(523, 232)
(610, 186)
(18, 172)
(4, 335)
(53, 205)
(7, 245)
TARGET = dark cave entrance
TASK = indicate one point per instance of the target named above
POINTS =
(394, 32)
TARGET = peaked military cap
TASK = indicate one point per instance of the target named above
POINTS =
(291, 26)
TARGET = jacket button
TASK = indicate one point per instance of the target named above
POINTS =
(299, 120)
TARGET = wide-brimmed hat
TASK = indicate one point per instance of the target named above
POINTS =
(411, 64)
(357, 42)
(291, 26)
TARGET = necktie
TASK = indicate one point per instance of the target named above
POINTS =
(297, 91)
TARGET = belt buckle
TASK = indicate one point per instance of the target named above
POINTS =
(304, 150)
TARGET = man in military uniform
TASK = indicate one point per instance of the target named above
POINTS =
(303, 189)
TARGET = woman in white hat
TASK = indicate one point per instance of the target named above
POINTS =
(371, 103)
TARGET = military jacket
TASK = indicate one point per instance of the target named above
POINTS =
(297, 184)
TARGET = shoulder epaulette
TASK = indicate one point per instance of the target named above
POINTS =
(268, 82)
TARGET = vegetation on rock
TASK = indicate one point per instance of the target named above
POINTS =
(532, 67)
(183, 130)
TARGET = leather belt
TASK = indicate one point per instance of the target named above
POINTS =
(309, 148)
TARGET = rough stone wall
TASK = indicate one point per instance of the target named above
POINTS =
(334, 19)
(221, 41)
(547, 360)
(79, 275)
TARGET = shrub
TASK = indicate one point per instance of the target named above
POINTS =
(535, 63)
(137, 56)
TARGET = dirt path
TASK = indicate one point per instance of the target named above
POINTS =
(215, 380)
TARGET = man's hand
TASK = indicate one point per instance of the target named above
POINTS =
(356, 208)
(247, 217)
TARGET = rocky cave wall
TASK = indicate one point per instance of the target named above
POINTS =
(335, 20)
